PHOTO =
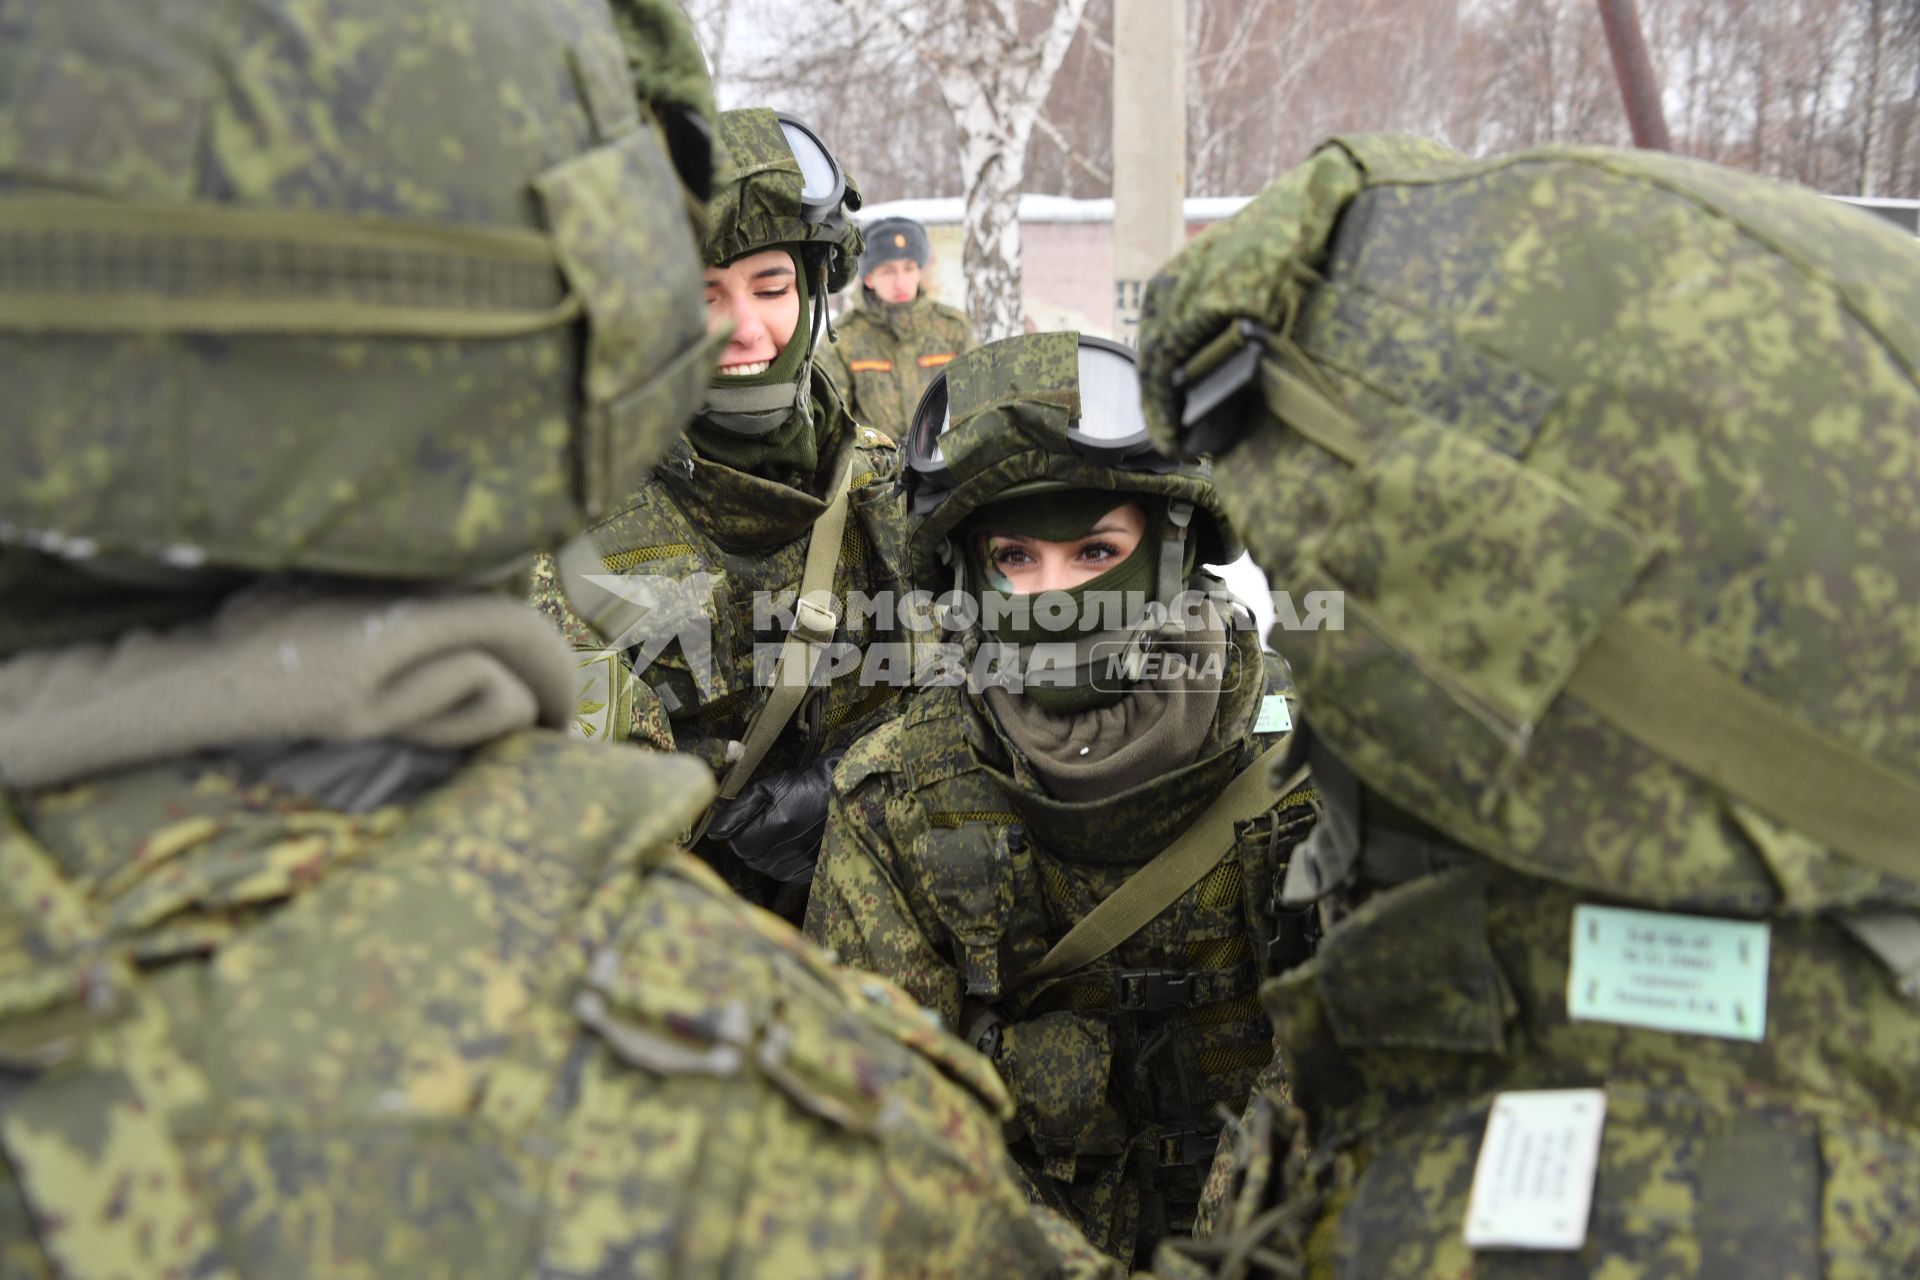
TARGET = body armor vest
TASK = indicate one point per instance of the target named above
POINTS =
(1117, 1069)
(499, 1032)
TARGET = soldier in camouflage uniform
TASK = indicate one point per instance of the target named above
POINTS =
(1613, 454)
(896, 339)
(969, 837)
(679, 601)
(320, 954)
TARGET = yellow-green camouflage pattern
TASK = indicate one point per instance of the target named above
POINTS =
(756, 204)
(913, 341)
(1588, 385)
(948, 870)
(508, 1031)
(695, 516)
(356, 448)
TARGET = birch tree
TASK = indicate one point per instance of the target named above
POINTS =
(994, 61)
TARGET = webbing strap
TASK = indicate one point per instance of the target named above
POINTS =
(84, 1135)
(101, 266)
(814, 619)
(1173, 871)
(1688, 710)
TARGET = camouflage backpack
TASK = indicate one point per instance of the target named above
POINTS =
(1613, 456)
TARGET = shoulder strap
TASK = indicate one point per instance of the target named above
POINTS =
(1173, 871)
(816, 615)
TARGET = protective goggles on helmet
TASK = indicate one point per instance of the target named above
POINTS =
(1110, 429)
(823, 186)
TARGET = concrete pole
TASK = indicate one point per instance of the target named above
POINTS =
(1634, 70)
(1149, 148)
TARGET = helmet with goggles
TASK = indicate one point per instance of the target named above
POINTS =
(1049, 413)
(782, 188)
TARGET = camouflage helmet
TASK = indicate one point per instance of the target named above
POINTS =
(1614, 457)
(782, 188)
(1047, 412)
(409, 292)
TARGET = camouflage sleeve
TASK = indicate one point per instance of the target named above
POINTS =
(860, 910)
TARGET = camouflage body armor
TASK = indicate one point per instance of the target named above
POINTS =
(887, 353)
(951, 869)
(1612, 454)
(678, 603)
(377, 297)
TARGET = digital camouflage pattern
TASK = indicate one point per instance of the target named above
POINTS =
(1565, 426)
(444, 239)
(716, 545)
(757, 202)
(1011, 403)
(505, 1029)
(886, 354)
(948, 869)
(508, 1031)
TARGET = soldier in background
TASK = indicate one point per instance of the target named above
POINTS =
(750, 540)
(322, 953)
(1079, 871)
(1613, 454)
(895, 339)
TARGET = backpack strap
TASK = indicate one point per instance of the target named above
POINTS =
(816, 616)
(92, 1083)
(1173, 871)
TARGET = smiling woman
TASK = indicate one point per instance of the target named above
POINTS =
(758, 296)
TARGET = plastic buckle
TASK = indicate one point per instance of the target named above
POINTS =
(1183, 1147)
(1151, 990)
(1296, 930)
(814, 622)
(1212, 412)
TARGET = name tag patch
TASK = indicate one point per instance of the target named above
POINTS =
(1274, 716)
(936, 359)
(870, 366)
(1698, 975)
(1533, 1181)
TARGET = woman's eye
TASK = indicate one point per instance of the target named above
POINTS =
(1099, 551)
(1009, 557)
(771, 294)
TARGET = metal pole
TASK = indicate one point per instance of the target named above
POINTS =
(1634, 70)
(1149, 148)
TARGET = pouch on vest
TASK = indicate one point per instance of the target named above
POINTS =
(1739, 1188)
(969, 873)
(1057, 1066)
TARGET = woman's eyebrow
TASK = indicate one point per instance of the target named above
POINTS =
(772, 271)
(1104, 527)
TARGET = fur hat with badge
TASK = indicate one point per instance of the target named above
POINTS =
(890, 238)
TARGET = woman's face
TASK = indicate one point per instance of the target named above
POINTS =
(757, 296)
(1022, 566)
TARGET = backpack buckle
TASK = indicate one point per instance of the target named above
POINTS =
(1183, 1147)
(1152, 990)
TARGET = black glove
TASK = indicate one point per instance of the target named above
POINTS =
(775, 825)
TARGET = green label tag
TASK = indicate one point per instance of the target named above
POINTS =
(1694, 974)
(1274, 716)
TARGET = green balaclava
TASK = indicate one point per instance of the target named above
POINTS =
(1062, 516)
(789, 450)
